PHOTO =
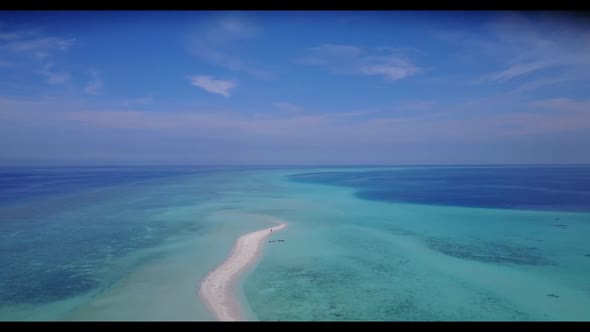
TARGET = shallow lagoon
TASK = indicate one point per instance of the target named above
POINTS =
(136, 250)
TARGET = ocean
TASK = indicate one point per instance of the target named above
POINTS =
(415, 243)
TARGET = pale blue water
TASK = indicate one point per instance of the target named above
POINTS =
(383, 243)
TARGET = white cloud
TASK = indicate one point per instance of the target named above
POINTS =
(420, 105)
(537, 84)
(337, 50)
(32, 49)
(10, 36)
(210, 84)
(354, 60)
(4, 63)
(561, 104)
(331, 127)
(19, 34)
(58, 78)
(328, 54)
(391, 72)
(235, 27)
(288, 107)
(94, 85)
(397, 49)
(54, 77)
(45, 44)
(518, 70)
(541, 41)
(212, 41)
(223, 59)
(142, 101)
(324, 132)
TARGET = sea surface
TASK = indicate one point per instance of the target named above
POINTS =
(364, 243)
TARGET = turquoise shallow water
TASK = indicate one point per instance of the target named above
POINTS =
(133, 251)
(137, 250)
(351, 259)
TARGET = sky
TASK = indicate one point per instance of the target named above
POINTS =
(294, 87)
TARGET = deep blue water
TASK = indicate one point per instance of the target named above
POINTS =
(60, 236)
(18, 183)
(564, 188)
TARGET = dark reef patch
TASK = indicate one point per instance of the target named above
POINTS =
(562, 226)
(489, 252)
(51, 287)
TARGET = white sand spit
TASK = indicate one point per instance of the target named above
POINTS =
(217, 289)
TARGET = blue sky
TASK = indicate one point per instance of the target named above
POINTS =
(294, 87)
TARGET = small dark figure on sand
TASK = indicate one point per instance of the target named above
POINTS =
(271, 229)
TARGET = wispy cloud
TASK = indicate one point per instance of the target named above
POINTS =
(95, 84)
(327, 54)
(552, 116)
(391, 68)
(6, 64)
(518, 70)
(54, 77)
(349, 59)
(324, 132)
(9, 36)
(46, 44)
(533, 44)
(31, 49)
(561, 104)
(57, 78)
(20, 33)
(210, 84)
(419, 105)
(212, 43)
(232, 26)
(544, 82)
(33, 42)
(286, 106)
(564, 115)
(142, 101)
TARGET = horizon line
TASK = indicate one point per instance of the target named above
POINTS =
(289, 165)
